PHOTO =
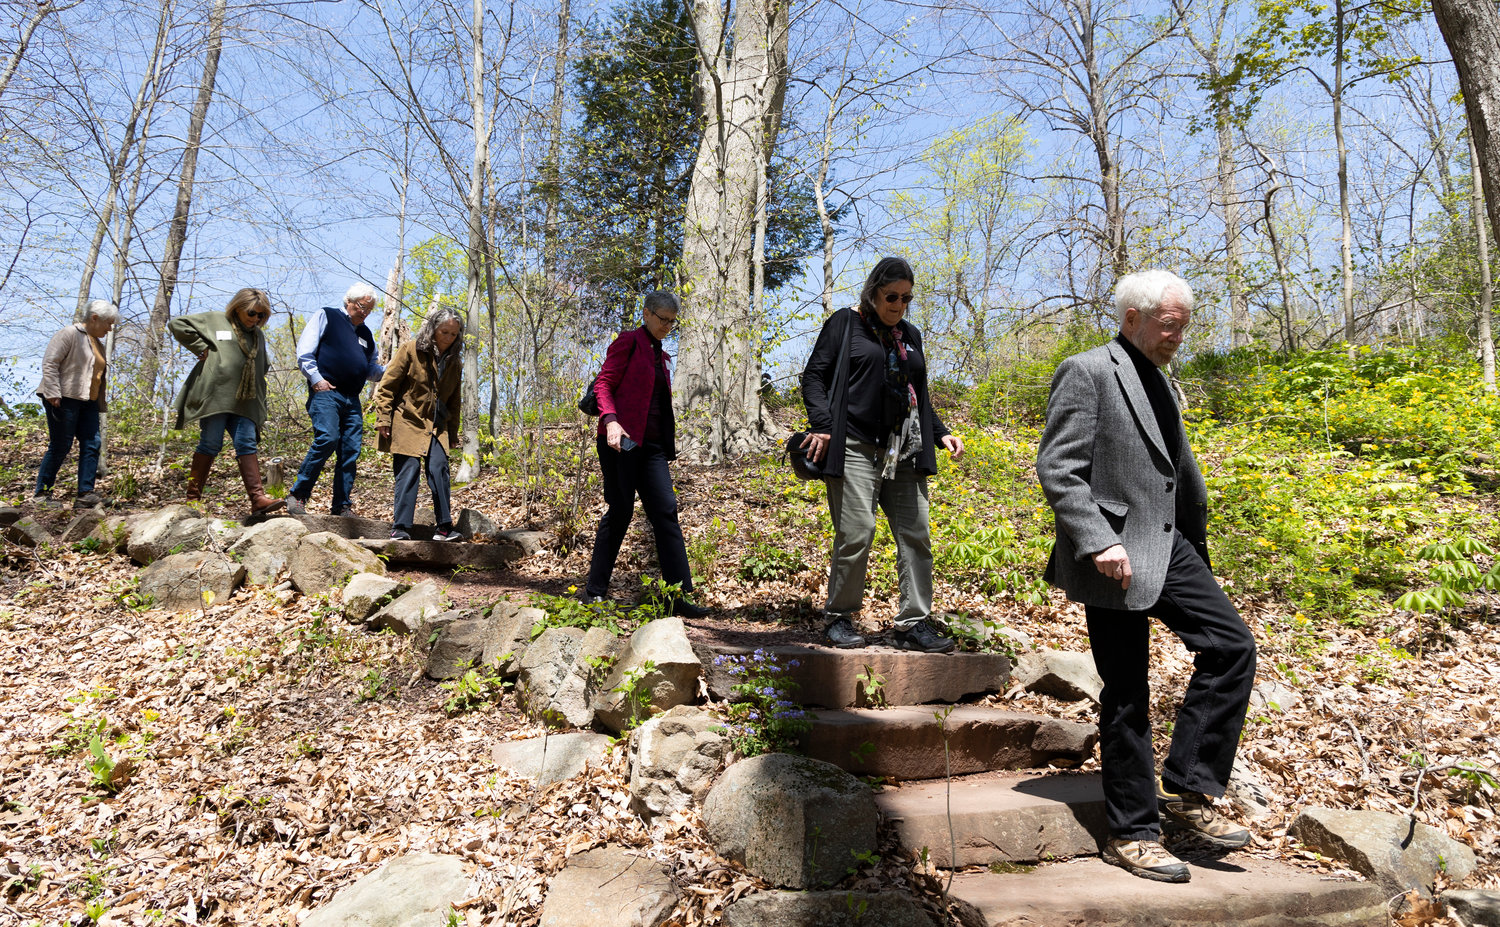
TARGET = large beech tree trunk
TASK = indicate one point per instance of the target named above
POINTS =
(741, 87)
(468, 466)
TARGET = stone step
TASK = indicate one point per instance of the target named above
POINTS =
(501, 550)
(828, 678)
(1238, 889)
(999, 818)
(907, 742)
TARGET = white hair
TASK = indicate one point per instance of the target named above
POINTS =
(1145, 290)
(103, 310)
(360, 292)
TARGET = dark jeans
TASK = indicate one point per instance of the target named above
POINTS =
(338, 428)
(408, 470)
(70, 420)
(211, 434)
(626, 473)
(1207, 730)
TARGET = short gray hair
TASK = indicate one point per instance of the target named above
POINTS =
(360, 291)
(103, 310)
(662, 300)
(436, 318)
(1145, 290)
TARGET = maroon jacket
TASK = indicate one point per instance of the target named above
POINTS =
(625, 385)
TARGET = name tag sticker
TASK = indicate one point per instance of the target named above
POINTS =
(223, 336)
(364, 344)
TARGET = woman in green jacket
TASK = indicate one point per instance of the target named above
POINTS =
(226, 390)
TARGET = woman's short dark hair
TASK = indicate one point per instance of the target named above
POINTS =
(887, 271)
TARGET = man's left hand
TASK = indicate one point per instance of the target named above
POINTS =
(954, 444)
(322, 386)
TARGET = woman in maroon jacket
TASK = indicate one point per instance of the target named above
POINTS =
(637, 436)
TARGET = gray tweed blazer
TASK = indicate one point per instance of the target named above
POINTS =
(1104, 468)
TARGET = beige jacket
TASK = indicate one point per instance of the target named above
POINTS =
(68, 367)
(407, 398)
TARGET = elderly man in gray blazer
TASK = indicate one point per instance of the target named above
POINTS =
(1131, 510)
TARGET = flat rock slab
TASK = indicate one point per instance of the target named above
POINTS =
(828, 909)
(411, 890)
(1008, 819)
(609, 886)
(827, 678)
(908, 742)
(1235, 889)
(445, 554)
(554, 758)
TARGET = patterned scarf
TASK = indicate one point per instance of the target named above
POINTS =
(903, 424)
(250, 344)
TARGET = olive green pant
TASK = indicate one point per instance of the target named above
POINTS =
(852, 502)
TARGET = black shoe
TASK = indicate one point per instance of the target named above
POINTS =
(842, 635)
(90, 500)
(686, 608)
(446, 534)
(588, 598)
(922, 636)
(400, 535)
(295, 506)
(346, 512)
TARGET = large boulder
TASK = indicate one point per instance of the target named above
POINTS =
(672, 680)
(408, 611)
(1062, 674)
(472, 524)
(673, 759)
(828, 909)
(1393, 851)
(416, 890)
(510, 636)
(793, 821)
(367, 593)
(559, 672)
(1476, 907)
(553, 758)
(81, 526)
(458, 648)
(325, 561)
(175, 529)
(609, 886)
(267, 548)
(113, 533)
(179, 581)
(27, 532)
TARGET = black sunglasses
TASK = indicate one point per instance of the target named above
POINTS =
(892, 297)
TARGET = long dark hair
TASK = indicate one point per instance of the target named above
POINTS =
(887, 271)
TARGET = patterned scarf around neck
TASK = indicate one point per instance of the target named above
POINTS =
(901, 420)
(245, 338)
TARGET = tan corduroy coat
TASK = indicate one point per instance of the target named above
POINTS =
(407, 397)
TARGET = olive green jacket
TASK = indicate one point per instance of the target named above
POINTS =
(407, 397)
(211, 385)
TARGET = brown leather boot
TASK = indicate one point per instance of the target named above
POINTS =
(260, 503)
(198, 475)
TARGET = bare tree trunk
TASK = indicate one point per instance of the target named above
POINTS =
(161, 309)
(394, 330)
(717, 392)
(552, 171)
(1471, 29)
(1346, 222)
(43, 10)
(1486, 284)
(468, 466)
(1288, 317)
(140, 110)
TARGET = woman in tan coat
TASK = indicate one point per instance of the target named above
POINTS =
(416, 411)
(73, 387)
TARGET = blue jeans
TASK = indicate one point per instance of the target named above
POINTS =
(70, 420)
(211, 435)
(408, 470)
(338, 429)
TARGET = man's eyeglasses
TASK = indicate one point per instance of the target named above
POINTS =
(905, 298)
(669, 321)
(1171, 328)
(365, 307)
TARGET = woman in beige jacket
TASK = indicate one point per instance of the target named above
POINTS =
(416, 410)
(73, 389)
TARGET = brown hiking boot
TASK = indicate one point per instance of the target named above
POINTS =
(1145, 858)
(260, 503)
(1193, 812)
(198, 475)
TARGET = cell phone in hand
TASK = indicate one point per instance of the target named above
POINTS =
(626, 444)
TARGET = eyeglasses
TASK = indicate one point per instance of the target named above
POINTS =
(1171, 328)
(905, 298)
(257, 316)
(669, 321)
(365, 307)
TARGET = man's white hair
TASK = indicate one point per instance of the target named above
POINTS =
(359, 292)
(1145, 290)
(101, 309)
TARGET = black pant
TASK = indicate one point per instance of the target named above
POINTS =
(626, 473)
(1207, 730)
(408, 470)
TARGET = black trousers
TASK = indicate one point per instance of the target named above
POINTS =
(408, 470)
(642, 470)
(1212, 713)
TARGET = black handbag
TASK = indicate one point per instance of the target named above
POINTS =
(588, 403)
(803, 466)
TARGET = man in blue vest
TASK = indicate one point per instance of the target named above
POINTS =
(337, 355)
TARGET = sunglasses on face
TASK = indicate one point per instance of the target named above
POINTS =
(904, 298)
(257, 316)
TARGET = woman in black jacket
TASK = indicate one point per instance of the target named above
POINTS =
(875, 431)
